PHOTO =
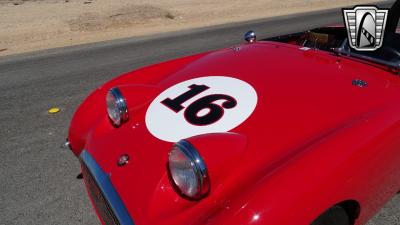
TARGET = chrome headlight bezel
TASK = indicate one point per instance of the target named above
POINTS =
(198, 167)
(117, 108)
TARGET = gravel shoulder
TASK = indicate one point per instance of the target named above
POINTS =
(29, 25)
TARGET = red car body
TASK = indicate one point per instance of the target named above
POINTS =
(315, 139)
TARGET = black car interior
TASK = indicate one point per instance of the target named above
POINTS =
(335, 40)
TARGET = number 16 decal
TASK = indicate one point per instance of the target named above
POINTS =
(215, 111)
(202, 105)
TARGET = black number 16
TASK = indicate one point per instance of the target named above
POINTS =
(207, 102)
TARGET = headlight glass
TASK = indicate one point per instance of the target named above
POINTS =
(188, 170)
(116, 107)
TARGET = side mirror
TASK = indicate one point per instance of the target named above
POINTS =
(250, 36)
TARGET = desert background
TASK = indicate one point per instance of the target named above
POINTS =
(29, 25)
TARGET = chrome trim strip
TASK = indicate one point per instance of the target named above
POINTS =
(104, 183)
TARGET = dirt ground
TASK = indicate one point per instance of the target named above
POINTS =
(28, 25)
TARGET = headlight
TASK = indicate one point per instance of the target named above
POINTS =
(116, 107)
(188, 170)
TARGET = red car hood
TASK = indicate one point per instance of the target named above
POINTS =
(303, 97)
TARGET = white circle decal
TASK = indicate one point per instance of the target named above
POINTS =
(198, 106)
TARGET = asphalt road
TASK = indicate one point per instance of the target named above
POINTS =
(38, 182)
